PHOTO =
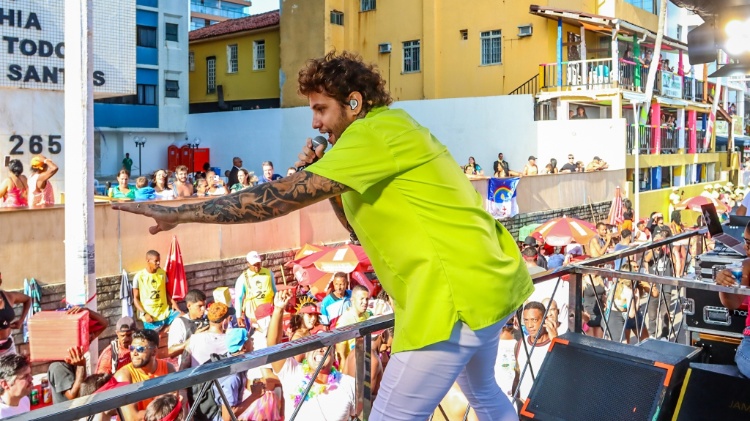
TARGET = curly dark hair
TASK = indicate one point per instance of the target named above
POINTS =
(15, 167)
(338, 75)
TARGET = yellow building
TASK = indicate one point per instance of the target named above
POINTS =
(234, 65)
(429, 49)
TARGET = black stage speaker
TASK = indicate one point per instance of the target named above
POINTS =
(587, 378)
(713, 392)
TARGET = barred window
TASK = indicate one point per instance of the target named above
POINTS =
(232, 61)
(491, 53)
(411, 56)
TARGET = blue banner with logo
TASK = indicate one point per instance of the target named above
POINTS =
(501, 197)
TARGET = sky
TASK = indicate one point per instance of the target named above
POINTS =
(262, 6)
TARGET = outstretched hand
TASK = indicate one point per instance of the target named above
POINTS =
(281, 298)
(165, 216)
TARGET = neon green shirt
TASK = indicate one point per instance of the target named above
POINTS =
(437, 252)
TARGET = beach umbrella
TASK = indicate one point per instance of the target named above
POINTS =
(560, 232)
(31, 289)
(177, 286)
(695, 203)
(309, 249)
(526, 231)
(615, 210)
(126, 295)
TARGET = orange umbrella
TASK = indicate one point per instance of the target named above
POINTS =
(309, 249)
(345, 259)
(695, 203)
(563, 231)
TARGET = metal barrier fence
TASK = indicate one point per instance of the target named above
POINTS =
(692, 243)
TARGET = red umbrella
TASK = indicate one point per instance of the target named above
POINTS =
(346, 258)
(177, 286)
(695, 203)
(562, 231)
(615, 211)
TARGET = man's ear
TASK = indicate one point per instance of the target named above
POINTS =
(355, 102)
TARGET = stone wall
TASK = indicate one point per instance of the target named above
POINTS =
(210, 275)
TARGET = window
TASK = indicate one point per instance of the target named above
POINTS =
(211, 75)
(172, 89)
(259, 55)
(337, 18)
(411, 56)
(232, 63)
(679, 32)
(145, 36)
(491, 47)
(464, 34)
(191, 61)
(647, 5)
(171, 30)
(146, 94)
(366, 5)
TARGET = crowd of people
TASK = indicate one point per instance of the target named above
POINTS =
(19, 191)
(501, 168)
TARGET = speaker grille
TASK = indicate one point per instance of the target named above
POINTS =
(582, 384)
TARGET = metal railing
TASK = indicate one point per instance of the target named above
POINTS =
(212, 371)
(530, 87)
(216, 11)
(583, 74)
(669, 139)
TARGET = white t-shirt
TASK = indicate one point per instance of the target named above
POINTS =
(337, 405)
(23, 407)
(202, 345)
(177, 335)
(537, 357)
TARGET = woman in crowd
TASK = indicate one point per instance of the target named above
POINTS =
(40, 189)
(593, 303)
(15, 189)
(162, 188)
(244, 180)
(680, 247)
(304, 323)
(122, 190)
(201, 187)
(552, 167)
(472, 168)
(216, 185)
(8, 320)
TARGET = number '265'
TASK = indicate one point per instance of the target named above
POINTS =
(36, 144)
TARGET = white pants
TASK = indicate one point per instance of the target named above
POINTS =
(415, 382)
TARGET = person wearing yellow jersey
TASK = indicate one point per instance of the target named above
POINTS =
(150, 294)
(420, 222)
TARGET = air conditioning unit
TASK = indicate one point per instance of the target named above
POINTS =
(384, 48)
(524, 30)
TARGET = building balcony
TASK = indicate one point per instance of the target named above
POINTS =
(233, 13)
(661, 140)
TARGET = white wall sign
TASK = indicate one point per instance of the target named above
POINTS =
(671, 85)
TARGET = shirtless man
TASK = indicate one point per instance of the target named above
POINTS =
(530, 168)
(181, 185)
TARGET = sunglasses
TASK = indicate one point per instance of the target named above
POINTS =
(139, 349)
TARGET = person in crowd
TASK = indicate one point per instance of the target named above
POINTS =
(244, 180)
(40, 189)
(181, 185)
(290, 171)
(233, 177)
(594, 299)
(531, 242)
(212, 341)
(268, 174)
(332, 396)
(216, 185)
(65, 377)
(117, 354)
(680, 247)
(150, 297)
(358, 312)
(734, 301)
(530, 168)
(569, 166)
(305, 321)
(142, 190)
(15, 385)
(14, 190)
(552, 167)
(501, 166)
(8, 320)
(201, 187)
(472, 168)
(626, 239)
(627, 221)
(506, 368)
(580, 113)
(185, 326)
(143, 366)
(580, 166)
(597, 164)
(601, 242)
(338, 300)
(530, 255)
(122, 190)
(533, 347)
(164, 408)
(641, 234)
(127, 163)
(91, 385)
(253, 297)
(660, 263)
(656, 223)
(396, 161)
(556, 259)
(162, 188)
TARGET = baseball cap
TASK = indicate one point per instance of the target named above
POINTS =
(125, 324)
(253, 257)
(531, 157)
(219, 311)
(309, 309)
(37, 163)
(596, 158)
(530, 241)
(235, 337)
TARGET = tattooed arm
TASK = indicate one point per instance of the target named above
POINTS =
(260, 203)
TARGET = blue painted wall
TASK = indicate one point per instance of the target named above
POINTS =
(122, 115)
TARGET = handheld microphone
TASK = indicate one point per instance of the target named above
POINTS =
(316, 142)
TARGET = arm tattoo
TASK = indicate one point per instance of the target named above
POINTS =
(263, 202)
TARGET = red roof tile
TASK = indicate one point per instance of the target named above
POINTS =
(263, 20)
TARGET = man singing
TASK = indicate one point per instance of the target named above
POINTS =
(437, 252)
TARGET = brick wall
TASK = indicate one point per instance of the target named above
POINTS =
(210, 275)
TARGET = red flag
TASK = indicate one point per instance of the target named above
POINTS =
(177, 285)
